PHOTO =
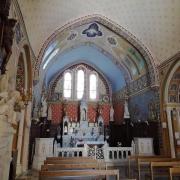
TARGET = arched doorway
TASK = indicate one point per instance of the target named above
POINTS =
(171, 105)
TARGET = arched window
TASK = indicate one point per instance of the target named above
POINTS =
(80, 84)
(67, 84)
(92, 86)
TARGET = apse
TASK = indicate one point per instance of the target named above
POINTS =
(91, 56)
(95, 44)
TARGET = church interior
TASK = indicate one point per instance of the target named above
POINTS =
(88, 79)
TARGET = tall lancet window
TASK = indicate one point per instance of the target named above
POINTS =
(80, 84)
(92, 86)
(67, 84)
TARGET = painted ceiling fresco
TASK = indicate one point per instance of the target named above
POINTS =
(98, 46)
(154, 22)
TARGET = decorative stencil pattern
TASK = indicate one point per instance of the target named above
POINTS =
(20, 77)
(174, 88)
(112, 41)
(72, 111)
(92, 31)
(57, 113)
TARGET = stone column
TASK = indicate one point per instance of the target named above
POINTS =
(6, 138)
(19, 143)
(26, 138)
(171, 135)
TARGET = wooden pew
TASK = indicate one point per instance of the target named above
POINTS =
(76, 173)
(145, 162)
(133, 159)
(71, 161)
(55, 167)
(164, 166)
(174, 171)
(66, 158)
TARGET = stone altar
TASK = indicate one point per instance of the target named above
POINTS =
(79, 132)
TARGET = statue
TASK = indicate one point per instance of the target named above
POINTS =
(126, 110)
(7, 105)
(83, 110)
(4, 82)
(111, 113)
(43, 107)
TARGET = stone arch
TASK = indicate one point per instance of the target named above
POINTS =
(114, 27)
(80, 62)
(29, 66)
(172, 109)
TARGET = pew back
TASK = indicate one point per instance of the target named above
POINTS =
(71, 161)
(163, 166)
(77, 173)
(174, 171)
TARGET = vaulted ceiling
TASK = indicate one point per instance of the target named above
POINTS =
(123, 40)
(154, 22)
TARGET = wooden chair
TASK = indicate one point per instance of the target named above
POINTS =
(164, 167)
(77, 173)
(174, 171)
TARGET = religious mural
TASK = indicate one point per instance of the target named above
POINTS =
(145, 106)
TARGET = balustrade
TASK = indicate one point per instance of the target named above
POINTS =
(109, 154)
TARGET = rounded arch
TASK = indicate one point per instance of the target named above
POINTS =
(29, 66)
(80, 62)
(115, 28)
(169, 76)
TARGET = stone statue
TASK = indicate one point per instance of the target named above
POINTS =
(43, 107)
(111, 113)
(4, 82)
(49, 113)
(126, 110)
(83, 110)
(7, 104)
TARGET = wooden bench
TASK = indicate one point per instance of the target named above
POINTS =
(66, 158)
(71, 161)
(54, 167)
(145, 163)
(164, 168)
(77, 173)
(174, 171)
(133, 159)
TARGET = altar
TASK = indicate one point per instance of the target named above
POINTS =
(82, 131)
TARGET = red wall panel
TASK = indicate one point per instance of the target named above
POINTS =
(118, 112)
(57, 113)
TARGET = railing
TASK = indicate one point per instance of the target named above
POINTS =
(117, 153)
(109, 154)
(70, 152)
